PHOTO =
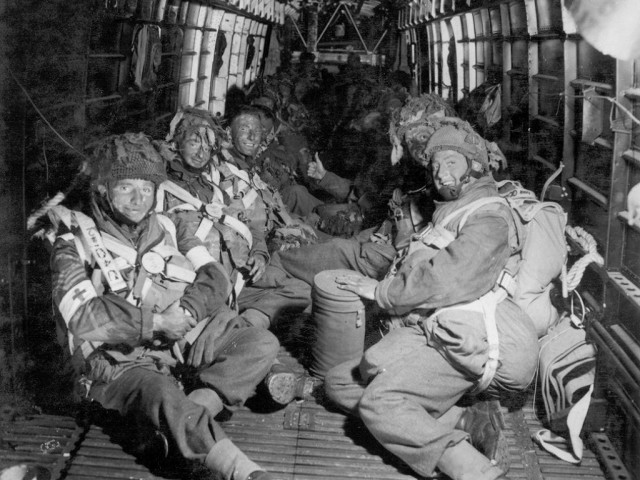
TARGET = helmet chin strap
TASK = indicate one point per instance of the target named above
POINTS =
(452, 192)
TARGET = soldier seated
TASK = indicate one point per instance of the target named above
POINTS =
(140, 299)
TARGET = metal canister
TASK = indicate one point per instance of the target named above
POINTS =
(339, 320)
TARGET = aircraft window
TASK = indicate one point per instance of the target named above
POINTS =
(518, 18)
(549, 15)
(594, 65)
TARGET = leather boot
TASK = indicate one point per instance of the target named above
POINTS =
(484, 423)
(208, 399)
(284, 385)
(463, 462)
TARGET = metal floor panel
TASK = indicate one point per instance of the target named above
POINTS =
(304, 441)
(41, 442)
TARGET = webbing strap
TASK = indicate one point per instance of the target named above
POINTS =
(489, 302)
(206, 224)
(181, 194)
(119, 249)
(244, 176)
(99, 251)
(486, 306)
(470, 208)
(570, 450)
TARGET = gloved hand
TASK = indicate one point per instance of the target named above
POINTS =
(203, 350)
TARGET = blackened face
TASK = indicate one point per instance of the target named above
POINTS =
(246, 134)
(417, 139)
(132, 198)
(196, 150)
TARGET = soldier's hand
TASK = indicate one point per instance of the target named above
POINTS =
(257, 264)
(364, 287)
(316, 169)
(173, 322)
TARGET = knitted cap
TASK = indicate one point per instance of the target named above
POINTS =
(457, 135)
(130, 155)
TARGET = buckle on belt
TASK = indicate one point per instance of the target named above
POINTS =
(507, 282)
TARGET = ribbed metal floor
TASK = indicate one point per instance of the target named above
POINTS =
(304, 441)
(43, 442)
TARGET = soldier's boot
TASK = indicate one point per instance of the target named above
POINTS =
(228, 461)
(284, 385)
(463, 462)
(484, 423)
(207, 398)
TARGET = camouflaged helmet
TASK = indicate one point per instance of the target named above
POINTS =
(457, 135)
(129, 155)
(189, 121)
(417, 112)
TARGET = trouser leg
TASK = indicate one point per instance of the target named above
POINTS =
(370, 259)
(344, 385)
(298, 200)
(157, 398)
(275, 293)
(242, 360)
(407, 394)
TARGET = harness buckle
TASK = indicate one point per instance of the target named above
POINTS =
(153, 262)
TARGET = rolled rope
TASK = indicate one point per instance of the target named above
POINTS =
(586, 241)
(35, 216)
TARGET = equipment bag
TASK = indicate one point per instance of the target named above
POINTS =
(566, 373)
(542, 253)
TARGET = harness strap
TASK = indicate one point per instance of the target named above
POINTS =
(489, 303)
(486, 306)
(206, 224)
(99, 251)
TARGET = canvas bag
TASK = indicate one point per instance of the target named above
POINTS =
(529, 273)
(543, 252)
(566, 373)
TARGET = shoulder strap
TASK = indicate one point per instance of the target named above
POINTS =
(470, 208)
(100, 252)
(168, 227)
(180, 193)
(206, 224)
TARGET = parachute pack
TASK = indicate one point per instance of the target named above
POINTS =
(543, 252)
(529, 274)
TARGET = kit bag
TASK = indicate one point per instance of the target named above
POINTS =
(566, 377)
(543, 252)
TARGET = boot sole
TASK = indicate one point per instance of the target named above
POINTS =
(282, 387)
